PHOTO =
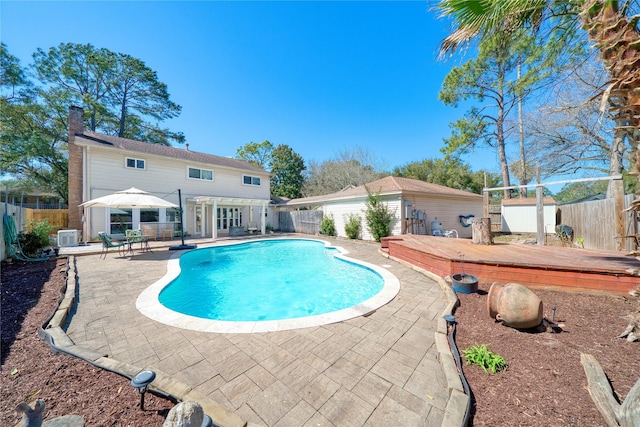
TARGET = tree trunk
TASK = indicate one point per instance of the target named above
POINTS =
(502, 154)
(618, 39)
(616, 155)
(481, 231)
(524, 179)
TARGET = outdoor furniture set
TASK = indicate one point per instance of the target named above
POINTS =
(126, 246)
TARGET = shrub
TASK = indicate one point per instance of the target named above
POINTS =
(481, 355)
(328, 226)
(31, 242)
(352, 225)
(377, 216)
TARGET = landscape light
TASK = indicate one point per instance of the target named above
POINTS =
(141, 382)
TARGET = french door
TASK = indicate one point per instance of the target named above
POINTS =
(229, 217)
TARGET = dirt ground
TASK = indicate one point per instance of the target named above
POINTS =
(544, 385)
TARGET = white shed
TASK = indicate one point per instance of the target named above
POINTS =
(415, 205)
(519, 215)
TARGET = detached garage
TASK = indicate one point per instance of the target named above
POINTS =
(418, 207)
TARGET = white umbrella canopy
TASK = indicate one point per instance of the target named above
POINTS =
(131, 198)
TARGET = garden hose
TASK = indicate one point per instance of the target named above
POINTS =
(12, 242)
(451, 321)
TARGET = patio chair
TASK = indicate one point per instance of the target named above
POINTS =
(108, 243)
(149, 232)
(437, 230)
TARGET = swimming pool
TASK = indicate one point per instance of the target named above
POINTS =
(265, 285)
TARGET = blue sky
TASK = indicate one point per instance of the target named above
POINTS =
(320, 77)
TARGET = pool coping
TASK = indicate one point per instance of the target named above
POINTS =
(149, 305)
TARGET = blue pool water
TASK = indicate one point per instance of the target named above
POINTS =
(267, 280)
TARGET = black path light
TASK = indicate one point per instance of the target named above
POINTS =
(141, 382)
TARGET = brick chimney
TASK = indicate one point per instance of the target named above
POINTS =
(76, 126)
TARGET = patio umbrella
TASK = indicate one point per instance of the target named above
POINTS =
(131, 198)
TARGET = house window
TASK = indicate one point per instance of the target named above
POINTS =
(205, 174)
(135, 163)
(120, 220)
(250, 180)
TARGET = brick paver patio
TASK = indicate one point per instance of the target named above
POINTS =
(377, 370)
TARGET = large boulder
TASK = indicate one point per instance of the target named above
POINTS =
(185, 414)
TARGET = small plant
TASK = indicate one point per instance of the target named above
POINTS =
(489, 361)
(580, 241)
(352, 225)
(328, 226)
(36, 239)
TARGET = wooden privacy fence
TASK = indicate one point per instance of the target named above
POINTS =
(495, 213)
(58, 218)
(595, 223)
(306, 222)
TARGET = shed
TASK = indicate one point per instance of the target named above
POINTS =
(519, 215)
(415, 205)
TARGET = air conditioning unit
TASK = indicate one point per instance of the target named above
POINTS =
(67, 238)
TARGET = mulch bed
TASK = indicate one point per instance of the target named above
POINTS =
(66, 384)
(545, 383)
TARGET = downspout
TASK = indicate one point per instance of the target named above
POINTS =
(86, 178)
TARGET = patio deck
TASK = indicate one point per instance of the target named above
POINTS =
(559, 268)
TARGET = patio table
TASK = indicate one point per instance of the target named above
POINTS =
(136, 236)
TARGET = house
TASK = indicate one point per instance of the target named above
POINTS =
(520, 215)
(219, 194)
(418, 206)
(31, 198)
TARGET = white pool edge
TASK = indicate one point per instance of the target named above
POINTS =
(148, 302)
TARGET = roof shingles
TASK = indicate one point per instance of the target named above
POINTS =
(112, 142)
(388, 185)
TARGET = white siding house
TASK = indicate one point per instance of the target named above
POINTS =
(415, 205)
(218, 193)
(520, 215)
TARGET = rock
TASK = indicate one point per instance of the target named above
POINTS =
(65, 421)
(31, 417)
(185, 414)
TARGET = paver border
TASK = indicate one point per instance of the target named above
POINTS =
(457, 407)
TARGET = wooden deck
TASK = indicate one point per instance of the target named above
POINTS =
(579, 270)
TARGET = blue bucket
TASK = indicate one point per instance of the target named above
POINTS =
(464, 283)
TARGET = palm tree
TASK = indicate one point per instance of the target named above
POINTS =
(608, 23)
